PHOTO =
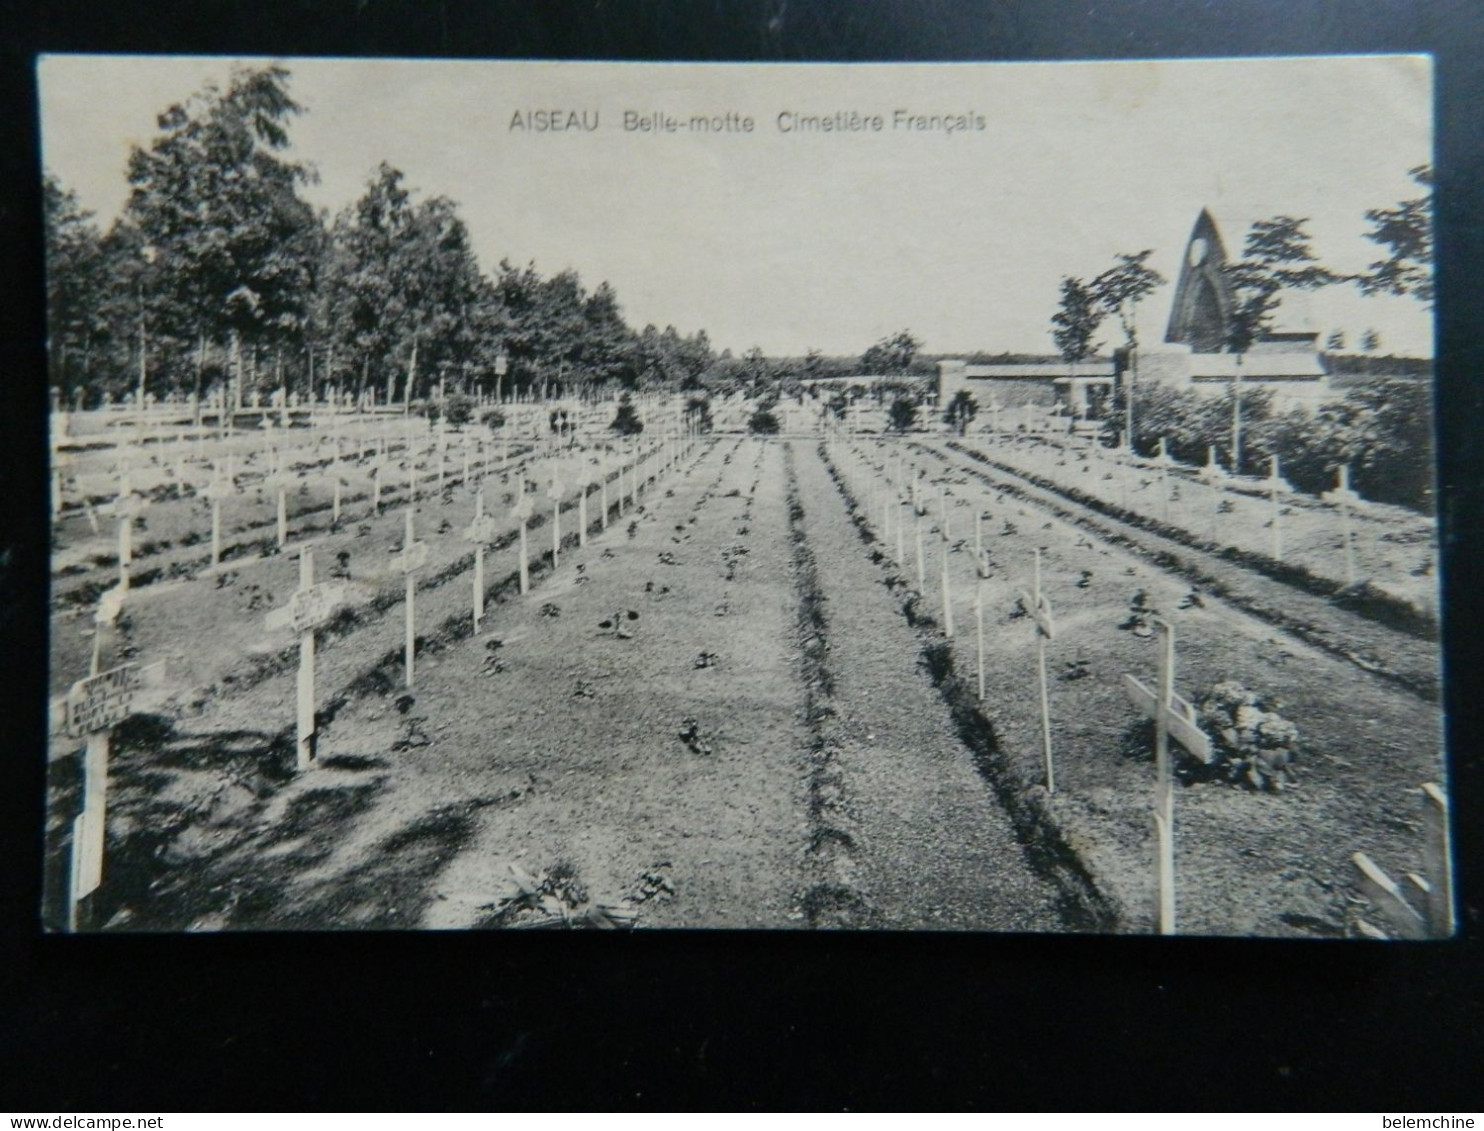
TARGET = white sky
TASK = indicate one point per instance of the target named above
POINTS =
(833, 241)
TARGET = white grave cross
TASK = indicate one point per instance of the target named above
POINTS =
(522, 511)
(279, 483)
(412, 557)
(126, 508)
(1175, 718)
(555, 495)
(220, 489)
(310, 606)
(481, 531)
(1039, 608)
(90, 710)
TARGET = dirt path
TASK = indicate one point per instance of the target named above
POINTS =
(914, 828)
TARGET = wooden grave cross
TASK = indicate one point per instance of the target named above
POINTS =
(1174, 718)
(901, 501)
(981, 562)
(1433, 889)
(407, 452)
(1344, 498)
(481, 532)
(522, 511)
(337, 480)
(1276, 484)
(441, 444)
(554, 493)
(944, 548)
(884, 495)
(584, 482)
(220, 489)
(412, 557)
(126, 508)
(621, 461)
(378, 461)
(603, 486)
(311, 606)
(1164, 480)
(57, 459)
(279, 483)
(90, 710)
(917, 509)
(1039, 608)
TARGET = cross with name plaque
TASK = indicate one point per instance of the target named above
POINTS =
(90, 710)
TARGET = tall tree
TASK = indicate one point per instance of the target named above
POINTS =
(74, 283)
(1076, 321)
(1123, 286)
(1278, 255)
(1119, 290)
(1406, 232)
(892, 355)
(219, 205)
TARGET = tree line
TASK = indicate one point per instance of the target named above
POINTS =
(218, 270)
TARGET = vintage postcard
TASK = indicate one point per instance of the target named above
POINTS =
(513, 495)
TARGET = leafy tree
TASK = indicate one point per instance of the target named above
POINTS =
(361, 299)
(1277, 255)
(219, 204)
(1406, 232)
(1077, 320)
(891, 355)
(493, 419)
(626, 421)
(962, 409)
(75, 283)
(902, 416)
(1119, 290)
